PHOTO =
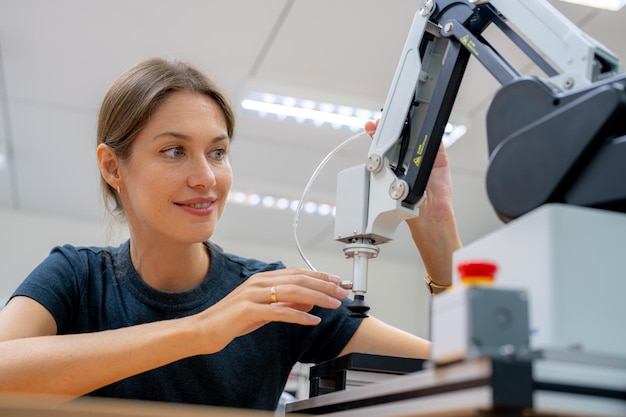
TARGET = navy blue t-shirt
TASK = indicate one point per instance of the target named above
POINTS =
(90, 289)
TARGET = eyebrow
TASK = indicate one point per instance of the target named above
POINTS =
(182, 136)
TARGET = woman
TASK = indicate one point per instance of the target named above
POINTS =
(168, 315)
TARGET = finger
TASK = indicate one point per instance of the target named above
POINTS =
(286, 314)
(288, 293)
(296, 306)
(322, 282)
(296, 286)
(323, 276)
(317, 281)
(370, 127)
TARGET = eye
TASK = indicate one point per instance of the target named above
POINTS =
(219, 154)
(173, 152)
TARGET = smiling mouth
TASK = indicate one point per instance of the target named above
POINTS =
(197, 205)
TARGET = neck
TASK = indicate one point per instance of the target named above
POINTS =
(170, 267)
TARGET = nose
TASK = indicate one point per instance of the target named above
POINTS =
(201, 174)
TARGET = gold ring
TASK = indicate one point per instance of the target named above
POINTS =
(273, 295)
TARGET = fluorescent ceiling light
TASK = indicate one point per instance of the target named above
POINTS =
(613, 5)
(308, 111)
(319, 114)
(282, 203)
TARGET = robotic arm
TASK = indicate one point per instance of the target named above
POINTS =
(550, 139)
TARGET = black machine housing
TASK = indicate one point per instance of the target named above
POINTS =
(545, 145)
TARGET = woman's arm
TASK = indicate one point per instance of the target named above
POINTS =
(378, 338)
(34, 360)
(434, 231)
(436, 237)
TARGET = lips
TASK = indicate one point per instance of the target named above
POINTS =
(198, 206)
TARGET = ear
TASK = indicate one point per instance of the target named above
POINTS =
(109, 165)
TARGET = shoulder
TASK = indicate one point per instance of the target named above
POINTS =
(67, 274)
(84, 251)
(246, 266)
(86, 256)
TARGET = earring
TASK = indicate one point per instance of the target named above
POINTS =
(117, 187)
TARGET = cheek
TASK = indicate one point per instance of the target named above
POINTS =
(224, 180)
(224, 177)
(151, 184)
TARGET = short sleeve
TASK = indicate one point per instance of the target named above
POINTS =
(54, 283)
(326, 340)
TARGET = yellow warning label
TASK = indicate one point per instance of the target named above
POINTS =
(469, 44)
(420, 148)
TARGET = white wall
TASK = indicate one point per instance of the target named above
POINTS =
(396, 291)
(27, 238)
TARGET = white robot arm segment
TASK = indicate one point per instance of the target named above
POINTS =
(373, 198)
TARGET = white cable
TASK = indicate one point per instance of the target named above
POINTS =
(306, 190)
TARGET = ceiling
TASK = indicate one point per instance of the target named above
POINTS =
(58, 57)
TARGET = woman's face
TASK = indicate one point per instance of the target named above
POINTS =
(176, 181)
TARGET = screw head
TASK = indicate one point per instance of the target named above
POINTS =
(398, 189)
(426, 7)
(374, 163)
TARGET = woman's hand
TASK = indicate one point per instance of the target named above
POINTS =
(438, 203)
(284, 295)
(434, 231)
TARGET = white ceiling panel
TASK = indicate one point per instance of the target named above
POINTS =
(60, 56)
(70, 51)
(346, 49)
(287, 153)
